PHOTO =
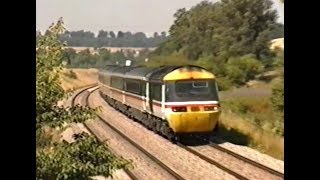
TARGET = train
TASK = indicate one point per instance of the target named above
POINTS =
(173, 101)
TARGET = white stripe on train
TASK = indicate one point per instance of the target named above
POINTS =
(192, 103)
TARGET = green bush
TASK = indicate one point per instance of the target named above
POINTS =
(240, 70)
(65, 161)
(206, 62)
(236, 75)
(278, 60)
(172, 59)
(257, 111)
(277, 100)
(277, 97)
(224, 83)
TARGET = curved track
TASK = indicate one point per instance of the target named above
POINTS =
(129, 173)
(132, 176)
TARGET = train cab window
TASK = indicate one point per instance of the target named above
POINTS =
(193, 90)
(133, 86)
(187, 88)
(156, 91)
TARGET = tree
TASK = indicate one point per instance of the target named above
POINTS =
(277, 31)
(120, 34)
(112, 34)
(105, 38)
(155, 35)
(241, 70)
(82, 158)
(38, 33)
(247, 27)
(227, 29)
(68, 55)
(102, 34)
(163, 34)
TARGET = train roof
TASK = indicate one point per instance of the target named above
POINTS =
(139, 72)
(153, 74)
(157, 74)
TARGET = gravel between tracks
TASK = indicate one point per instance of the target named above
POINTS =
(255, 155)
(245, 169)
(181, 161)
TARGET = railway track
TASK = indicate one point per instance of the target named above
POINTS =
(247, 160)
(128, 172)
(187, 148)
(211, 161)
(153, 158)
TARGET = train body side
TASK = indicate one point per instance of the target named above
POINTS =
(184, 114)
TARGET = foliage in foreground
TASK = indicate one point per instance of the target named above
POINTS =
(77, 160)
(55, 160)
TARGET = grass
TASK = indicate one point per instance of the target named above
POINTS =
(248, 119)
(77, 78)
(238, 130)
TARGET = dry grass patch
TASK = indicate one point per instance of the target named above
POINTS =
(77, 78)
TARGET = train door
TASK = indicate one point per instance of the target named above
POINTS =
(148, 100)
(155, 99)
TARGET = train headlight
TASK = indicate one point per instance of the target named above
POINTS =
(179, 109)
(211, 108)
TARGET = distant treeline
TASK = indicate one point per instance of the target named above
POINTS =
(103, 57)
(111, 39)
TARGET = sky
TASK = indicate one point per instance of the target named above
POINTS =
(146, 16)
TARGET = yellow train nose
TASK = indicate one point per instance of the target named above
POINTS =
(193, 121)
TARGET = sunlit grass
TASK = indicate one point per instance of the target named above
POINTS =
(240, 131)
(249, 119)
(77, 78)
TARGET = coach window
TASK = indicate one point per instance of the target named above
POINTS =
(143, 88)
(133, 86)
(117, 82)
(156, 88)
(100, 78)
(106, 80)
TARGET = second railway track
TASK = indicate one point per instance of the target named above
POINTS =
(191, 150)
(247, 160)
